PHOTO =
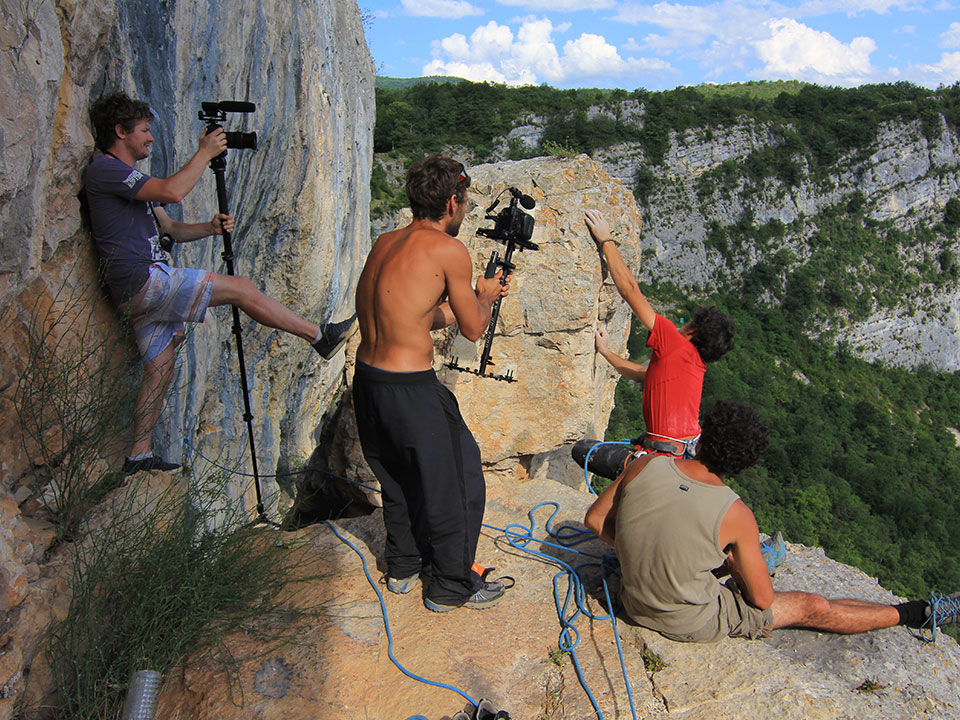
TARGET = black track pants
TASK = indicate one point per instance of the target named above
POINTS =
(428, 465)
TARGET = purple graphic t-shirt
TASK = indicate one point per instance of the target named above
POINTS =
(124, 230)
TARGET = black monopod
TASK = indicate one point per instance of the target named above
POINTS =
(514, 228)
(214, 113)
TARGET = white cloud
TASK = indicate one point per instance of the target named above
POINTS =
(450, 9)
(727, 35)
(631, 45)
(945, 72)
(951, 38)
(797, 51)
(590, 55)
(493, 53)
(560, 5)
(813, 8)
(690, 19)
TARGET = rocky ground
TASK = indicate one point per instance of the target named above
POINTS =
(508, 653)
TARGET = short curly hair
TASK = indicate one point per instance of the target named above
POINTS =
(714, 332)
(431, 182)
(733, 437)
(114, 109)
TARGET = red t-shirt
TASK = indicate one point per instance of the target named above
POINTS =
(673, 383)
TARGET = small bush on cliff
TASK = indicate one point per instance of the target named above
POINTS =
(951, 213)
(156, 574)
(153, 586)
(73, 398)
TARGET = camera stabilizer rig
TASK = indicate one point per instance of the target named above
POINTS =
(514, 228)
(213, 114)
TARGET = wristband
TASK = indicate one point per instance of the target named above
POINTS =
(606, 241)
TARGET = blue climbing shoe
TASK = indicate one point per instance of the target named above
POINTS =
(774, 551)
(941, 610)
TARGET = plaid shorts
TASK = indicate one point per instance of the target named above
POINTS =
(173, 296)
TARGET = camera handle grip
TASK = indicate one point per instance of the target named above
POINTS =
(491, 269)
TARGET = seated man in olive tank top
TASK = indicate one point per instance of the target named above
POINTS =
(678, 528)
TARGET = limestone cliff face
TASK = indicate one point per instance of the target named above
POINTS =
(545, 336)
(300, 199)
(904, 177)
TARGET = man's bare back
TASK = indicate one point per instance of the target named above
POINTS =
(417, 279)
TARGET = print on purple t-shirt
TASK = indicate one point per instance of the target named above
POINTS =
(124, 230)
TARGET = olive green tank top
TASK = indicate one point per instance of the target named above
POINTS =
(667, 540)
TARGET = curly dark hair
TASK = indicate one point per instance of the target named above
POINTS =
(714, 333)
(114, 109)
(431, 182)
(733, 438)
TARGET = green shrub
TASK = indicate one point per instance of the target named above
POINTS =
(152, 586)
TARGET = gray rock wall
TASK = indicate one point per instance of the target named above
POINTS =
(905, 179)
(301, 198)
(301, 201)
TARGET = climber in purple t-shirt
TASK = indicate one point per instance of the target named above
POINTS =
(127, 224)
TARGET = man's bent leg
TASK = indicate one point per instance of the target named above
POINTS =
(808, 610)
(402, 553)
(239, 291)
(157, 375)
(454, 495)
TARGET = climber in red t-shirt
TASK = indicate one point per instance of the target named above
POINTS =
(672, 380)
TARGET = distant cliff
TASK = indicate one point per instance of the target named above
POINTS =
(827, 200)
(711, 216)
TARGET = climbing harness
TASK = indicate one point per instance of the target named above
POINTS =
(685, 448)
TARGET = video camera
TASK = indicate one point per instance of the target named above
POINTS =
(215, 113)
(512, 225)
(514, 228)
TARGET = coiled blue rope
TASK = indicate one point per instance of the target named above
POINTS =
(518, 536)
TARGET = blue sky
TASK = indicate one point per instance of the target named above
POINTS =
(662, 45)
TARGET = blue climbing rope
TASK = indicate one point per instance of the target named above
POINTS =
(586, 462)
(386, 625)
(519, 537)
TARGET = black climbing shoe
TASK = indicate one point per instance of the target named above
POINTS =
(334, 335)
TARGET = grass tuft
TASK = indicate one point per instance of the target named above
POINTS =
(152, 587)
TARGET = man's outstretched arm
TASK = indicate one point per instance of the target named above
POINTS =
(627, 368)
(622, 277)
(174, 188)
(187, 232)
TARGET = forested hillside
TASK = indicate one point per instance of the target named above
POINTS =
(826, 222)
